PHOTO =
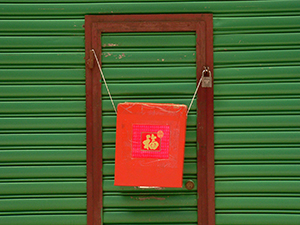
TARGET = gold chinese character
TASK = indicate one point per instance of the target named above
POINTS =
(152, 144)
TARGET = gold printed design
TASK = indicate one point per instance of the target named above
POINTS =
(150, 144)
(160, 133)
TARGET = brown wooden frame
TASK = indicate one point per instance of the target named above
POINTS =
(202, 24)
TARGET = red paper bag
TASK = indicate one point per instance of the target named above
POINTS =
(150, 143)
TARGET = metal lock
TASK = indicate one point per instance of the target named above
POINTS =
(206, 78)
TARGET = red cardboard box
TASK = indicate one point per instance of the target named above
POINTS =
(150, 143)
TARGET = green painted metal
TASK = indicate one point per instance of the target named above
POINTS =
(150, 201)
(42, 75)
(117, 74)
(35, 107)
(258, 170)
(257, 203)
(108, 185)
(149, 7)
(257, 137)
(256, 74)
(257, 106)
(42, 204)
(36, 43)
(42, 146)
(43, 187)
(267, 121)
(257, 89)
(257, 153)
(42, 110)
(149, 57)
(139, 89)
(42, 90)
(70, 219)
(59, 58)
(258, 186)
(64, 138)
(257, 219)
(151, 216)
(43, 155)
(270, 57)
(256, 41)
(148, 41)
(45, 171)
(43, 123)
(48, 27)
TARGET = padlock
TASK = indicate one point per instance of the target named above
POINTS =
(206, 80)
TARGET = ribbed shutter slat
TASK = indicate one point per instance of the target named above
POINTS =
(147, 88)
(54, 187)
(44, 219)
(150, 201)
(81, 8)
(150, 216)
(42, 171)
(258, 219)
(43, 155)
(42, 139)
(150, 73)
(258, 153)
(258, 170)
(44, 58)
(108, 186)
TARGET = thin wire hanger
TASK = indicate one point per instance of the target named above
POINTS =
(111, 99)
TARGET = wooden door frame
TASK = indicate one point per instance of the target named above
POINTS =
(202, 24)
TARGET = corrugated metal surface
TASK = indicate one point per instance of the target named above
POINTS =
(149, 67)
(42, 126)
(257, 121)
(42, 108)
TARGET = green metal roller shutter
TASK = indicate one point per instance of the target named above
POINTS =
(148, 67)
(257, 120)
(269, 30)
(42, 125)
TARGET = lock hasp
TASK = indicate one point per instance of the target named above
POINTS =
(150, 143)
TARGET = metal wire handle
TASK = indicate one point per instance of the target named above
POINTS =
(98, 63)
(198, 85)
(206, 70)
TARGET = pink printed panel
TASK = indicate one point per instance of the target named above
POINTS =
(150, 141)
